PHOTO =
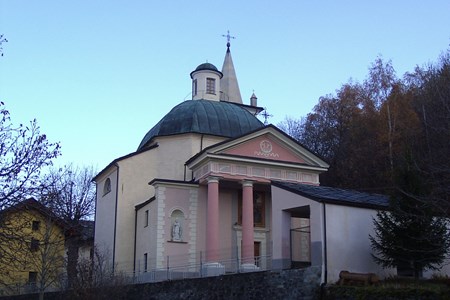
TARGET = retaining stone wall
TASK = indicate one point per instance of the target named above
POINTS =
(286, 284)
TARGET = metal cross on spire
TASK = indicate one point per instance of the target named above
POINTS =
(228, 36)
(266, 115)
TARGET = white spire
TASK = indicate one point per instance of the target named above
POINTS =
(229, 84)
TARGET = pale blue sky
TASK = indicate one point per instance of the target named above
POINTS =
(97, 75)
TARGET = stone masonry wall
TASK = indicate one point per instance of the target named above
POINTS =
(287, 284)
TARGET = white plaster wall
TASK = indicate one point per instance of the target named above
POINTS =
(209, 140)
(281, 225)
(348, 229)
(144, 236)
(201, 85)
(192, 227)
(174, 151)
(348, 244)
(160, 194)
(134, 174)
(104, 213)
(165, 161)
(201, 218)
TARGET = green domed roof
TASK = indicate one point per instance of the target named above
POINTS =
(205, 117)
(206, 66)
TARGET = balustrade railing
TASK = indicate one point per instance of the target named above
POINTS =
(178, 268)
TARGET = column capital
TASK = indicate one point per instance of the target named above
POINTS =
(247, 183)
(212, 179)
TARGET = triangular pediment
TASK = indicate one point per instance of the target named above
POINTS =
(266, 146)
(262, 155)
(268, 143)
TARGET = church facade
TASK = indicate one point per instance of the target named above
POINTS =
(212, 188)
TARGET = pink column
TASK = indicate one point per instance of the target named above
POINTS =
(247, 252)
(212, 220)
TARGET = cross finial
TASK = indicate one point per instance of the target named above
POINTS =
(228, 36)
(266, 115)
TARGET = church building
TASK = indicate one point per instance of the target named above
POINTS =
(213, 190)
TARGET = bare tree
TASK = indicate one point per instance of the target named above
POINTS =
(70, 194)
(292, 127)
(24, 152)
(2, 40)
(49, 260)
(379, 86)
(97, 278)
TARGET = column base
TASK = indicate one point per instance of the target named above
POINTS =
(249, 268)
(212, 269)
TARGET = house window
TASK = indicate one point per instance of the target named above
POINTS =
(259, 209)
(35, 225)
(32, 278)
(34, 245)
(145, 262)
(210, 86)
(107, 186)
(194, 87)
(146, 218)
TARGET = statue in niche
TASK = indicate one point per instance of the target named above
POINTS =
(177, 231)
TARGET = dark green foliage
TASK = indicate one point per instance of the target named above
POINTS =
(410, 236)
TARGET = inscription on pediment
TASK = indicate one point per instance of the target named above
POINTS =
(265, 150)
(265, 147)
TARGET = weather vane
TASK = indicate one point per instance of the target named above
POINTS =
(266, 115)
(228, 36)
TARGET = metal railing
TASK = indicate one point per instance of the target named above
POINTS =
(204, 268)
(175, 267)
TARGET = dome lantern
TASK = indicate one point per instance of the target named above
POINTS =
(206, 82)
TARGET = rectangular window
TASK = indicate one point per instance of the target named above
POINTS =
(194, 87)
(35, 225)
(34, 245)
(145, 262)
(146, 218)
(32, 277)
(210, 86)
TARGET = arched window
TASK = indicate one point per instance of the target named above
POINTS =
(177, 219)
(107, 186)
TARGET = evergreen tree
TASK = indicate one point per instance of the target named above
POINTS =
(410, 236)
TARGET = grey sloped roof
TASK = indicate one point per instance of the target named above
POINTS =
(205, 117)
(335, 195)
